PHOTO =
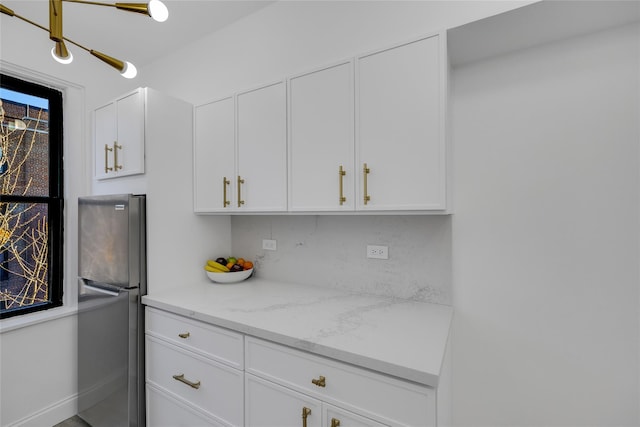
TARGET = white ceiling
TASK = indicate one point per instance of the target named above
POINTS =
(131, 36)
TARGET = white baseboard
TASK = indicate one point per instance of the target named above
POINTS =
(51, 415)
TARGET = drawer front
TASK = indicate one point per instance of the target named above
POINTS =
(220, 389)
(210, 341)
(338, 417)
(166, 411)
(385, 399)
(270, 405)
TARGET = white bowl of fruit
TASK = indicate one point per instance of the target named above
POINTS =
(228, 270)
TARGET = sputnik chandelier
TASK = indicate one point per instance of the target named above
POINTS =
(155, 9)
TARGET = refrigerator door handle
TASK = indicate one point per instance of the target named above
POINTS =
(112, 292)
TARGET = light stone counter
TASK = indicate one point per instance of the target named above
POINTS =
(399, 337)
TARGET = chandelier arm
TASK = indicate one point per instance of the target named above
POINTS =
(95, 3)
(130, 7)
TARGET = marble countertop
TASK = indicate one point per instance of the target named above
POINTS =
(399, 337)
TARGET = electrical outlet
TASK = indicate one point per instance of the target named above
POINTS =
(269, 245)
(377, 252)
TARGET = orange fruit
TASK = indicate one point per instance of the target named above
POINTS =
(230, 264)
(240, 262)
(248, 265)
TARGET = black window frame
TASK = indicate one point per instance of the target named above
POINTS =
(55, 199)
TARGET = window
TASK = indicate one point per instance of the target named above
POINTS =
(31, 199)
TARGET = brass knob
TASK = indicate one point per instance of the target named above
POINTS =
(320, 381)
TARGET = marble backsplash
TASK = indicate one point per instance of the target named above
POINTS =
(328, 250)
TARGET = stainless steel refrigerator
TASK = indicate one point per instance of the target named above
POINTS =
(112, 279)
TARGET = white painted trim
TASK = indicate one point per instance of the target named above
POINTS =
(13, 323)
(50, 415)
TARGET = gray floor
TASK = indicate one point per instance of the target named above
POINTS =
(74, 421)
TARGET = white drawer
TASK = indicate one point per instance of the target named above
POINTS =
(210, 341)
(346, 418)
(220, 389)
(166, 411)
(383, 398)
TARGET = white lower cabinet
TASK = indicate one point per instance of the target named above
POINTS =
(361, 397)
(198, 374)
(183, 366)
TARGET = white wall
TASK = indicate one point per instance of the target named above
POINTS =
(294, 36)
(545, 235)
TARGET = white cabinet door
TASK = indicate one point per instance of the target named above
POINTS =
(268, 404)
(322, 140)
(119, 136)
(214, 156)
(105, 135)
(338, 417)
(400, 127)
(128, 154)
(261, 179)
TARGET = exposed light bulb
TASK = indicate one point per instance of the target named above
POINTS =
(60, 53)
(129, 71)
(158, 11)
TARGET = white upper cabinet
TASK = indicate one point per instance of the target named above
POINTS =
(119, 136)
(321, 140)
(214, 156)
(261, 179)
(240, 152)
(363, 134)
(400, 127)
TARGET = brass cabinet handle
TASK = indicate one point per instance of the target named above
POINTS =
(116, 147)
(320, 381)
(225, 182)
(106, 158)
(183, 380)
(305, 413)
(365, 171)
(240, 182)
(341, 174)
(335, 422)
(184, 335)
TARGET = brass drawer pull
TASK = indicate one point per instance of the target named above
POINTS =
(116, 147)
(341, 174)
(335, 422)
(240, 182)
(183, 380)
(184, 335)
(106, 158)
(320, 382)
(366, 171)
(305, 413)
(225, 182)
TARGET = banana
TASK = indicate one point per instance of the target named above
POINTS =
(213, 269)
(217, 266)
